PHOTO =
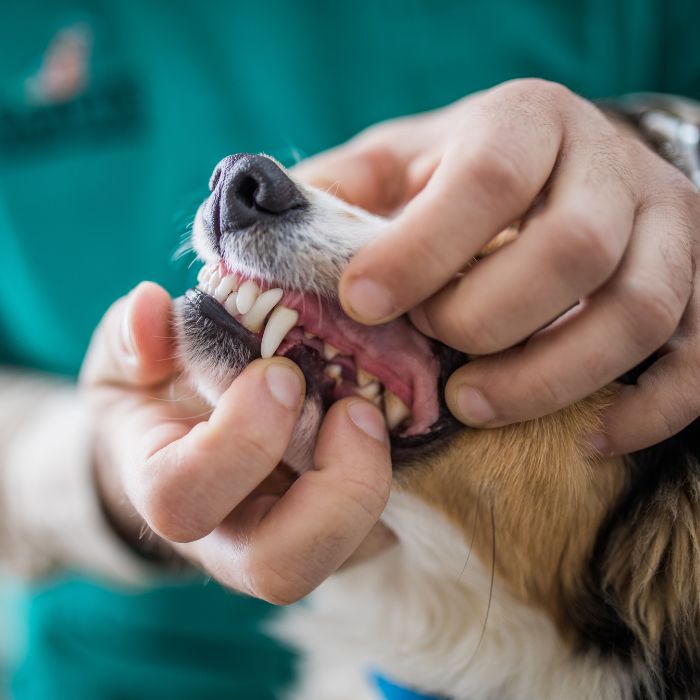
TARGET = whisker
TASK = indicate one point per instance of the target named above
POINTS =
(493, 578)
(471, 543)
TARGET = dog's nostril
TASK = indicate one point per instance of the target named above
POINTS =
(247, 190)
(253, 189)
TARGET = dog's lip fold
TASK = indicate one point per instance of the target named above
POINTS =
(416, 370)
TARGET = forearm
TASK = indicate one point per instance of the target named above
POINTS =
(50, 515)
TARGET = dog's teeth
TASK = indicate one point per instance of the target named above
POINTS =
(369, 391)
(281, 321)
(255, 318)
(213, 282)
(329, 352)
(227, 285)
(308, 335)
(334, 371)
(364, 378)
(395, 410)
(204, 274)
(247, 294)
(230, 304)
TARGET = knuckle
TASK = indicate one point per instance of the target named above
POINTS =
(166, 504)
(255, 450)
(586, 246)
(367, 495)
(497, 170)
(473, 334)
(551, 392)
(652, 310)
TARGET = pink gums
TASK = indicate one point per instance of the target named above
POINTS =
(395, 352)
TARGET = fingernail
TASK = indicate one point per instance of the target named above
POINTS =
(369, 300)
(284, 384)
(473, 407)
(368, 419)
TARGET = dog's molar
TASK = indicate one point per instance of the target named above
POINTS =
(369, 391)
(247, 294)
(364, 378)
(329, 352)
(395, 410)
(282, 320)
(334, 371)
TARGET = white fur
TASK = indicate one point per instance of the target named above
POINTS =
(418, 614)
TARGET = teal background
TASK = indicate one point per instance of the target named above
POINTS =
(88, 211)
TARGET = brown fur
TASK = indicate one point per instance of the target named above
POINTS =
(544, 495)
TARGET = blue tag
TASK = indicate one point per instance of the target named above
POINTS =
(390, 691)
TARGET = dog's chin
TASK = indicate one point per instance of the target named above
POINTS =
(216, 347)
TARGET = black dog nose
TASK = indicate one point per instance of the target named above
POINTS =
(250, 189)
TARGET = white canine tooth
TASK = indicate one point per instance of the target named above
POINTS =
(230, 304)
(364, 378)
(369, 391)
(334, 371)
(267, 301)
(308, 335)
(395, 410)
(329, 352)
(225, 287)
(247, 294)
(281, 321)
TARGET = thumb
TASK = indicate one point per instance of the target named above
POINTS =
(367, 176)
(133, 345)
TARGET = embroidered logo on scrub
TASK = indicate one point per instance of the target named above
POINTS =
(66, 101)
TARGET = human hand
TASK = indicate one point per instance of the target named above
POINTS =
(208, 482)
(604, 221)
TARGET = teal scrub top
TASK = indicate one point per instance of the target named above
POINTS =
(97, 190)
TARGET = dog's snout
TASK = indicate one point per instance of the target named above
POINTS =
(249, 189)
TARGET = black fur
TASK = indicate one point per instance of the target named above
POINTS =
(653, 474)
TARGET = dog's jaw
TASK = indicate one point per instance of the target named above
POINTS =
(301, 257)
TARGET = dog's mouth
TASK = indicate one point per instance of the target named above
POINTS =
(393, 365)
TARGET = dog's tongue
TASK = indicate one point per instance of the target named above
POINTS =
(395, 352)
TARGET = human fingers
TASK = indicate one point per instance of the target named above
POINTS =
(664, 399)
(280, 548)
(499, 160)
(634, 314)
(186, 479)
(133, 344)
(569, 248)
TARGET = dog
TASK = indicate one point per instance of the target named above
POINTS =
(525, 568)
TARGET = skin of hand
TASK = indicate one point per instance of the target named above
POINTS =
(208, 482)
(603, 273)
